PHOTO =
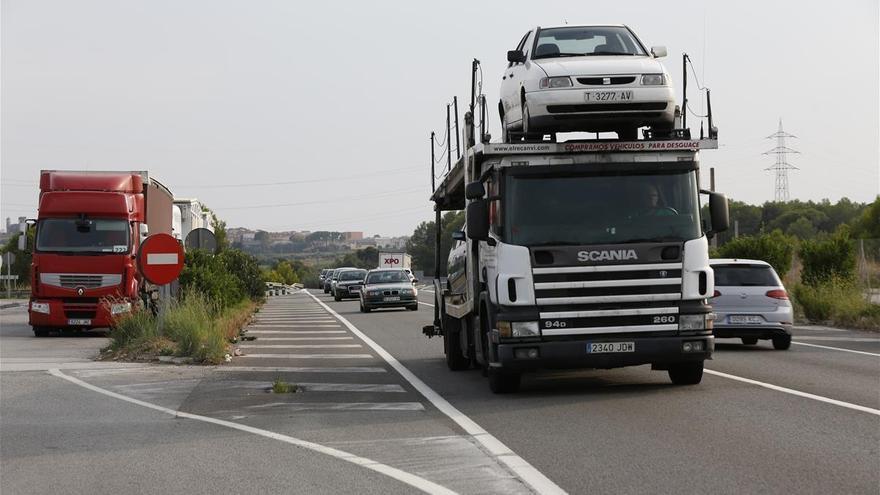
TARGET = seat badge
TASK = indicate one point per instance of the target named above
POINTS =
(606, 81)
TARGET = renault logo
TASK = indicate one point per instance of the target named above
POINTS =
(80, 291)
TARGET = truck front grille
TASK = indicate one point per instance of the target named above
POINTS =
(577, 300)
(84, 280)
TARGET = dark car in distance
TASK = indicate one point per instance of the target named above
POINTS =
(388, 288)
(348, 284)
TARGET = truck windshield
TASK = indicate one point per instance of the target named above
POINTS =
(601, 209)
(73, 235)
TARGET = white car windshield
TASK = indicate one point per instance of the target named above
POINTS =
(586, 41)
(387, 277)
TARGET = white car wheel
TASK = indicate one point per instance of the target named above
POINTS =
(525, 118)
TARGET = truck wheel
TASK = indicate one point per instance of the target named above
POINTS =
(750, 340)
(41, 331)
(781, 343)
(686, 373)
(504, 382)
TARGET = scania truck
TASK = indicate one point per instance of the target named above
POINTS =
(88, 230)
(582, 254)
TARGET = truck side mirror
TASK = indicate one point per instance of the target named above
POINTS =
(719, 213)
(658, 51)
(474, 190)
(478, 220)
(144, 231)
(458, 236)
(516, 56)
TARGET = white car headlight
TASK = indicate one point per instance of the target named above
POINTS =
(653, 80)
(38, 307)
(120, 308)
(555, 82)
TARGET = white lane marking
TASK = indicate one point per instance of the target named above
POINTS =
(308, 356)
(301, 346)
(288, 320)
(519, 466)
(310, 339)
(837, 349)
(304, 369)
(819, 328)
(798, 393)
(263, 385)
(426, 304)
(294, 326)
(343, 406)
(839, 339)
(294, 332)
(402, 476)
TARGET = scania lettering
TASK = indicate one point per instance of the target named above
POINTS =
(607, 255)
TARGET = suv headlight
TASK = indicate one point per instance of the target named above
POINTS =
(653, 80)
(38, 307)
(691, 323)
(555, 82)
(119, 308)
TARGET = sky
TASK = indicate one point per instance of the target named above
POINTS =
(287, 115)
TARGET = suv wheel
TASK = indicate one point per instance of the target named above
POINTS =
(782, 342)
(686, 373)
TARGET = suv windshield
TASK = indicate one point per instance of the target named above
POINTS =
(586, 41)
(745, 275)
(73, 235)
(353, 275)
(387, 277)
(601, 209)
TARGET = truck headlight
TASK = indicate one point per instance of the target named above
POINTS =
(653, 80)
(119, 308)
(691, 323)
(38, 307)
(509, 329)
(525, 328)
(555, 82)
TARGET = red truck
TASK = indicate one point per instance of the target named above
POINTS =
(88, 231)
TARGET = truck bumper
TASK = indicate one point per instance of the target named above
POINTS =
(572, 354)
(70, 315)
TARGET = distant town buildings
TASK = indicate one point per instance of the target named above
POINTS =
(305, 241)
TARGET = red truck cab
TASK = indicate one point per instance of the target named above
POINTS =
(88, 230)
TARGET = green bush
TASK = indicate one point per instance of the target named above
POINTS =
(133, 329)
(775, 248)
(827, 259)
(246, 269)
(839, 302)
(207, 274)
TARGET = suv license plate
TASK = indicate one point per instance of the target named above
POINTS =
(607, 347)
(746, 319)
(74, 321)
(604, 96)
(391, 299)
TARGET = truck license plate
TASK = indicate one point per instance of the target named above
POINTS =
(746, 319)
(391, 299)
(594, 96)
(76, 321)
(607, 347)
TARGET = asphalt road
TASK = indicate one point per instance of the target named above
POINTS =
(380, 412)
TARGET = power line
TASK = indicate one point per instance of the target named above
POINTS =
(320, 201)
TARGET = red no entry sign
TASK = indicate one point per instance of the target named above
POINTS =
(160, 259)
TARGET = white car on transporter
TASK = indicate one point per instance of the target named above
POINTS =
(585, 78)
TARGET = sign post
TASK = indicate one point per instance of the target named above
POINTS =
(160, 261)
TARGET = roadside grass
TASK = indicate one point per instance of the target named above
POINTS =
(192, 327)
(280, 386)
(838, 303)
